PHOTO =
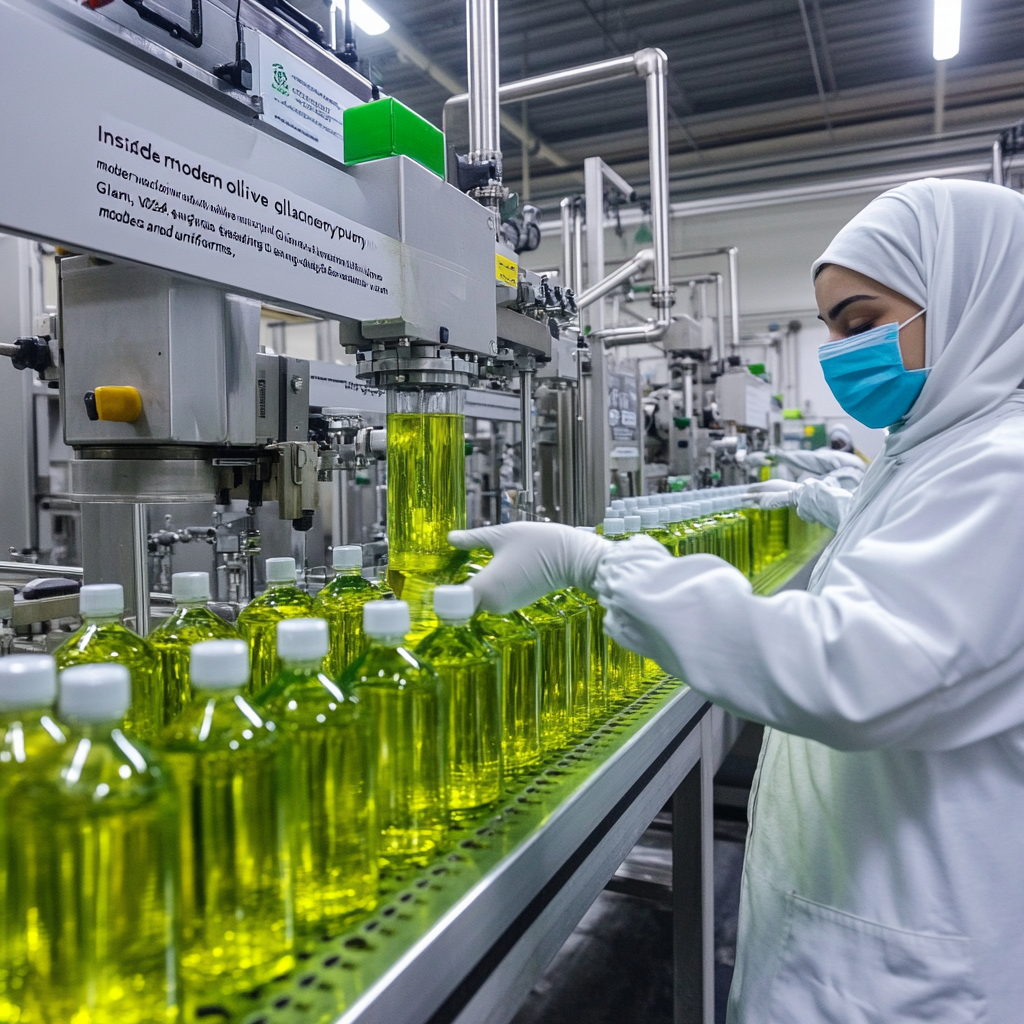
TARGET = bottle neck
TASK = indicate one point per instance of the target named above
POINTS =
(350, 572)
(304, 666)
(275, 584)
(454, 622)
(186, 605)
(387, 641)
(202, 693)
(101, 620)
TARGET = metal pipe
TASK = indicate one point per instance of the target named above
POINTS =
(140, 567)
(688, 390)
(482, 74)
(652, 64)
(720, 317)
(557, 81)
(577, 247)
(614, 178)
(568, 278)
(630, 268)
(734, 298)
(526, 429)
(997, 164)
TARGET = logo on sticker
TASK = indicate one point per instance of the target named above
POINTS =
(280, 82)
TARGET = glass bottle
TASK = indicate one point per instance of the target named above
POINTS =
(555, 672)
(404, 699)
(90, 861)
(651, 524)
(102, 638)
(625, 667)
(332, 825)
(28, 734)
(687, 536)
(258, 621)
(426, 494)
(469, 669)
(190, 623)
(341, 604)
(577, 615)
(234, 899)
(518, 647)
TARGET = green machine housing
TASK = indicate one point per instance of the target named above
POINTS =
(389, 128)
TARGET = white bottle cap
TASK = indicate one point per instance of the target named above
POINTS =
(663, 514)
(219, 664)
(386, 618)
(609, 512)
(347, 556)
(27, 681)
(643, 501)
(94, 693)
(632, 523)
(454, 603)
(676, 513)
(613, 527)
(629, 504)
(648, 518)
(618, 504)
(302, 639)
(280, 570)
(190, 586)
(101, 599)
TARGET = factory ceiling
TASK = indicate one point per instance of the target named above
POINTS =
(761, 91)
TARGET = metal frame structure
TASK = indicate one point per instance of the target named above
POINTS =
(481, 960)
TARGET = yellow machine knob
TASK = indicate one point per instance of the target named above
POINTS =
(118, 404)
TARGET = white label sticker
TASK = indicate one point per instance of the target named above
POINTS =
(301, 102)
(166, 205)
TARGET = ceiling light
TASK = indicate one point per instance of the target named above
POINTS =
(364, 17)
(946, 40)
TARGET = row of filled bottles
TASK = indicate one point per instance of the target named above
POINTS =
(713, 521)
(181, 820)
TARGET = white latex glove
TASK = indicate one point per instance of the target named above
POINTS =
(823, 501)
(775, 498)
(771, 485)
(758, 459)
(530, 560)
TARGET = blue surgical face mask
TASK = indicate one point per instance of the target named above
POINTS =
(867, 376)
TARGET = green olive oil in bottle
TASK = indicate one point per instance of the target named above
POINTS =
(470, 673)
(555, 672)
(624, 667)
(404, 700)
(90, 861)
(332, 825)
(103, 638)
(28, 735)
(577, 615)
(518, 646)
(258, 620)
(190, 623)
(341, 604)
(234, 895)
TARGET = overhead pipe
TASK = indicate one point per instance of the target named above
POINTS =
(567, 269)
(643, 259)
(484, 111)
(652, 65)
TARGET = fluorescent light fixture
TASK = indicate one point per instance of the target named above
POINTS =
(946, 40)
(364, 17)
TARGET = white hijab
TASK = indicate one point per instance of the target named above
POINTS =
(956, 248)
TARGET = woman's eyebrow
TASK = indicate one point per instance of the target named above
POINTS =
(840, 306)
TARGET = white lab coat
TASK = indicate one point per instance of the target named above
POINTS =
(884, 879)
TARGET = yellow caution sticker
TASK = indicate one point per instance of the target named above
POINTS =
(505, 271)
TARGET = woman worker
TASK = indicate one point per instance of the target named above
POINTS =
(884, 878)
